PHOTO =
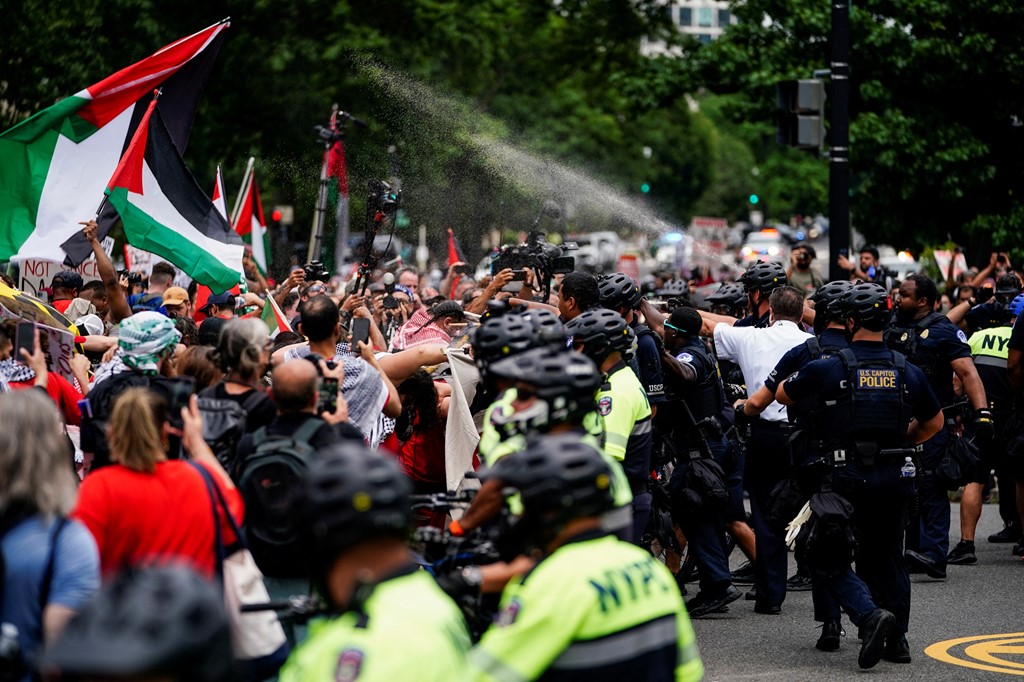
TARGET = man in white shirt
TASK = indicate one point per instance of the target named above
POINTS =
(757, 351)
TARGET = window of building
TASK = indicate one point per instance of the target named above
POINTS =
(723, 17)
(668, 12)
(704, 38)
(685, 16)
(704, 16)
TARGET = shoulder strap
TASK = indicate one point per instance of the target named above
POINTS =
(259, 437)
(813, 346)
(51, 562)
(306, 432)
(217, 497)
(251, 401)
(928, 320)
(849, 359)
(899, 360)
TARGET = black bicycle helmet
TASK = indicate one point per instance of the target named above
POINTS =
(559, 478)
(675, 288)
(869, 305)
(564, 380)
(1008, 285)
(161, 622)
(349, 495)
(728, 293)
(547, 326)
(764, 277)
(825, 300)
(601, 332)
(618, 290)
(502, 336)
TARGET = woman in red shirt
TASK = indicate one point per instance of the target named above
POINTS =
(148, 509)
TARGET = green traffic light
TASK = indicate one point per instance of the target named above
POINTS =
(754, 198)
(645, 188)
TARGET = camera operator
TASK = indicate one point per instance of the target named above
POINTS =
(802, 273)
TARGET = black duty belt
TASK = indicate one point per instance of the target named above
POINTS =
(843, 456)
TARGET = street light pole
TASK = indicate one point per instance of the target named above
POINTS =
(839, 139)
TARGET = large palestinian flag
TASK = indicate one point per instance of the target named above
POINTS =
(164, 211)
(53, 166)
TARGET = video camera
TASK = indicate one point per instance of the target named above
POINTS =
(536, 253)
(133, 277)
(382, 198)
(315, 271)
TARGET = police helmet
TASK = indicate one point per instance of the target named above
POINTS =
(601, 332)
(547, 326)
(349, 495)
(1017, 305)
(729, 294)
(618, 290)
(565, 381)
(559, 478)
(675, 288)
(764, 277)
(869, 305)
(1008, 285)
(825, 298)
(160, 622)
(502, 336)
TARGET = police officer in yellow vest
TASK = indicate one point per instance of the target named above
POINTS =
(990, 348)
(553, 392)
(593, 607)
(604, 337)
(390, 619)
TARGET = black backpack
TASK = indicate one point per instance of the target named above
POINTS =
(268, 480)
(224, 424)
(831, 545)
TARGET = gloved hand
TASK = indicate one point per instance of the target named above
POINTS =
(984, 425)
(743, 422)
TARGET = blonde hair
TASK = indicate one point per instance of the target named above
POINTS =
(35, 462)
(136, 429)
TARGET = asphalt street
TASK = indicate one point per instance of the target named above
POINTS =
(983, 601)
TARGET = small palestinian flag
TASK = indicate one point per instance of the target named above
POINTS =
(165, 212)
(220, 199)
(249, 222)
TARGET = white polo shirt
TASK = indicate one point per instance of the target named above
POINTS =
(757, 351)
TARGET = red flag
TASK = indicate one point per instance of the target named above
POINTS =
(454, 256)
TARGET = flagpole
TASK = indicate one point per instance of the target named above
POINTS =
(246, 180)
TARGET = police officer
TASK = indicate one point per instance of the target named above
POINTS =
(603, 336)
(729, 299)
(691, 426)
(354, 512)
(501, 335)
(554, 392)
(830, 327)
(869, 403)
(990, 348)
(593, 607)
(620, 293)
(934, 344)
(992, 313)
(759, 281)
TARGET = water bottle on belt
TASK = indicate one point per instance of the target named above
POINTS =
(908, 472)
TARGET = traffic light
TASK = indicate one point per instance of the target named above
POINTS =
(645, 188)
(800, 119)
(754, 199)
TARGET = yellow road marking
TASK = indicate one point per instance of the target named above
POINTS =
(983, 652)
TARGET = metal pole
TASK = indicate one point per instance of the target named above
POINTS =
(839, 137)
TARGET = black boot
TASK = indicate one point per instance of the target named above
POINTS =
(831, 631)
(876, 630)
(897, 649)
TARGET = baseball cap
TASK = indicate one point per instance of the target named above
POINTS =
(219, 300)
(90, 324)
(175, 296)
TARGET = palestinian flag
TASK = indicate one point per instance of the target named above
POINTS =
(165, 212)
(53, 166)
(454, 256)
(338, 188)
(274, 317)
(249, 222)
(220, 200)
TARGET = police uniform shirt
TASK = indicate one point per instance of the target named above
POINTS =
(408, 629)
(596, 609)
(944, 342)
(648, 366)
(990, 348)
(757, 352)
(987, 315)
(795, 358)
(762, 322)
(695, 355)
(827, 379)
